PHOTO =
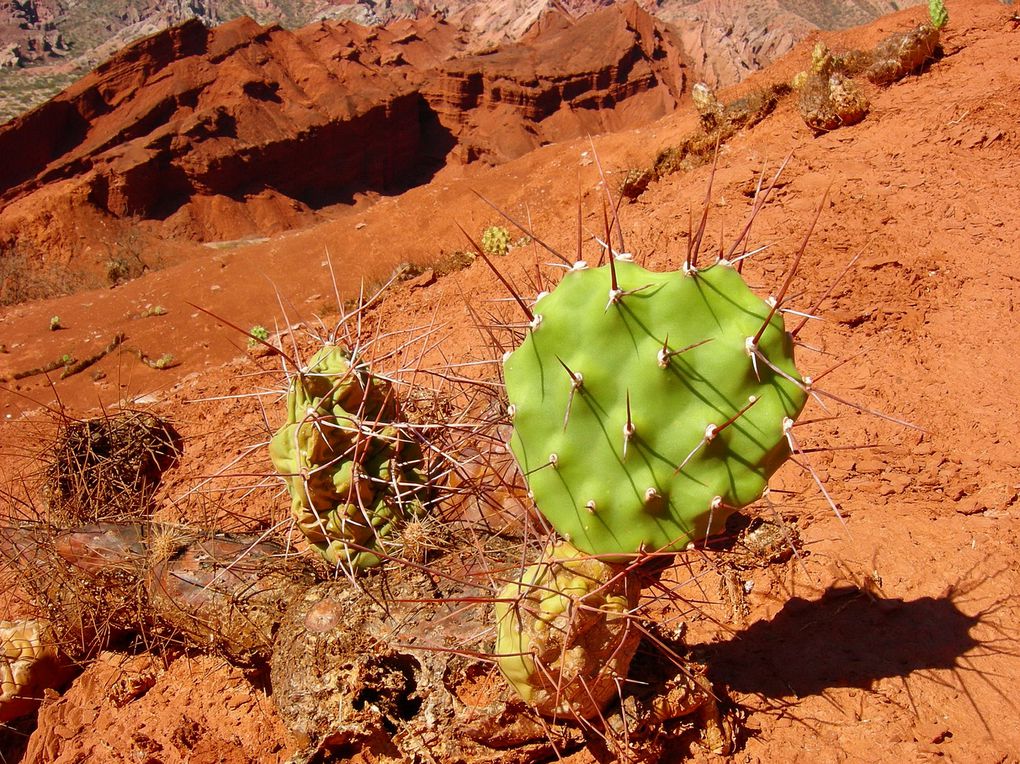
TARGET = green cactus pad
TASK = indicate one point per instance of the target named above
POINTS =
(607, 501)
(353, 475)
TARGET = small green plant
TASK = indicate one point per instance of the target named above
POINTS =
(255, 334)
(937, 13)
(153, 310)
(165, 361)
(55, 324)
(495, 241)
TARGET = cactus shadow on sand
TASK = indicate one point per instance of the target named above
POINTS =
(850, 637)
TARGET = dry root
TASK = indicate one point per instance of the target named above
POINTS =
(226, 593)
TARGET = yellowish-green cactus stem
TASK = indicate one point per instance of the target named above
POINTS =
(565, 637)
(354, 473)
(937, 13)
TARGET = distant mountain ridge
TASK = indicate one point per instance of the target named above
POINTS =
(199, 134)
(44, 44)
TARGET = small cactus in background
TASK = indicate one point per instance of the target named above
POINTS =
(256, 333)
(937, 13)
(495, 241)
(820, 57)
(635, 182)
(647, 406)
(354, 475)
(904, 53)
(828, 98)
(564, 634)
(55, 324)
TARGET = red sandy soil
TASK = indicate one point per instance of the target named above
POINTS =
(894, 636)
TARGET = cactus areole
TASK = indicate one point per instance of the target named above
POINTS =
(646, 412)
(354, 475)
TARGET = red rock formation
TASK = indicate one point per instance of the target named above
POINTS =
(238, 111)
(243, 129)
(556, 83)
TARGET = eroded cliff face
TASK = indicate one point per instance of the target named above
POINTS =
(212, 134)
(204, 111)
(566, 77)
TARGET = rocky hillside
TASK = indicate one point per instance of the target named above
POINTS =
(45, 44)
(244, 130)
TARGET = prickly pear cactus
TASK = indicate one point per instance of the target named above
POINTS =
(568, 613)
(648, 410)
(353, 472)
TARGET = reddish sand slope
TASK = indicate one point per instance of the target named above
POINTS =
(894, 638)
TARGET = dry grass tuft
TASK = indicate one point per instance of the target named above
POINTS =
(107, 468)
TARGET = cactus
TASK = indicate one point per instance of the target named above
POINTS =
(647, 406)
(568, 613)
(709, 109)
(353, 473)
(257, 335)
(820, 57)
(937, 13)
(495, 241)
(828, 97)
(904, 53)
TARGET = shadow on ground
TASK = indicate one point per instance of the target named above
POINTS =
(845, 638)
